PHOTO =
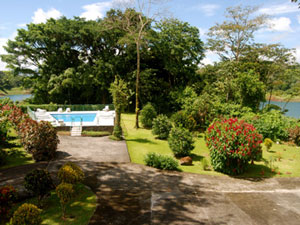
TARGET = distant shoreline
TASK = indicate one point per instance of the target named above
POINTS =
(282, 99)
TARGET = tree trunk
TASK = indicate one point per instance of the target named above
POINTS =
(270, 96)
(137, 86)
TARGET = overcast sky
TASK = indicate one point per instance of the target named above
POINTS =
(285, 17)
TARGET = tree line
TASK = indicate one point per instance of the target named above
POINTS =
(74, 61)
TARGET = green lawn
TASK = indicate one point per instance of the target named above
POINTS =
(17, 156)
(16, 91)
(141, 141)
(79, 211)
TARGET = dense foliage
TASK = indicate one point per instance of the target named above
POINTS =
(162, 162)
(161, 126)
(38, 138)
(70, 173)
(8, 195)
(27, 214)
(39, 183)
(271, 124)
(148, 114)
(181, 142)
(232, 144)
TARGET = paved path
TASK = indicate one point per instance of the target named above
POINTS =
(93, 149)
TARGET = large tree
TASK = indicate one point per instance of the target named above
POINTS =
(231, 38)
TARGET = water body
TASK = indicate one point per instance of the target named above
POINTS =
(292, 107)
(17, 97)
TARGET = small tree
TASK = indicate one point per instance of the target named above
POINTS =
(120, 94)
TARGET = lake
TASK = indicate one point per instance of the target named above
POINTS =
(17, 97)
(293, 107)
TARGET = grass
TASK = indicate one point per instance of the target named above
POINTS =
(16, 91)
(79, 211)
(16, 155)
(141, 141)
(95, 133)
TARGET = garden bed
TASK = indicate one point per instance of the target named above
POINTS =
(281, 161)
(79, 211)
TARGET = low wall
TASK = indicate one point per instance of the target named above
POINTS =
(89, 128)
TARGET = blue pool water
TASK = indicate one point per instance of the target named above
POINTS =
(72, 117)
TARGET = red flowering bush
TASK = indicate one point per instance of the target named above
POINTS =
(7, 197)
(232, 144)
(39, 139)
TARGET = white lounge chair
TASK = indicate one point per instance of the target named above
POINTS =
(106, 108)
(68, 110)
(60, 110)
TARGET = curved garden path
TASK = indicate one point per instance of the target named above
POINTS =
(135, 194)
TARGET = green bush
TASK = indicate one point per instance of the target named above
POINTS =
(268, 143)
(27, 214)
(8, 195)
(70, 173)
(161, 161)
(65, 193)
(39, 183)
(181, 142)
(161, 126)
(148, 114)
(232, 144)
(271, 125)
(182, 119)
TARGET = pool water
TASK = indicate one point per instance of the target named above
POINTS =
(78, 117)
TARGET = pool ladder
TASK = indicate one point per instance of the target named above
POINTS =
(76, 130)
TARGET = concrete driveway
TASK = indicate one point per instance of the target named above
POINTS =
(93, 149)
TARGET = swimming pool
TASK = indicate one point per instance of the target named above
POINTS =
(75, 117)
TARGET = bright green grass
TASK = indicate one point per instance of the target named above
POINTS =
(17, 156)
(141, 141)
(16, 91)
(78, 212)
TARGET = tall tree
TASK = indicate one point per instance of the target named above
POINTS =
(231, 38)
(136, 21)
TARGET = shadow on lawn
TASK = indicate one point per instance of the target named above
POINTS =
(196, 158)
(141, 140)
(256, 173)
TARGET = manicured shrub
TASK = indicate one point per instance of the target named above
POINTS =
(161, 161)
(148, 114)
(7, 196)
(161, 126)
(65, 193)
(39, 183)
(204, 164)
(181, 142)
(70, 173)
(182, 119)
(294, 135)
(232, 144)
(27, 214)
(268, 143)
(39, 139)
